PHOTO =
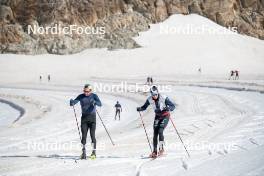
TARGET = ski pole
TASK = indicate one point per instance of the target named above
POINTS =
(145, 131)
(77, 122)
(105, 128)
(179, 137)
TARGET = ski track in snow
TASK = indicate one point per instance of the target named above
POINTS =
(208, 115)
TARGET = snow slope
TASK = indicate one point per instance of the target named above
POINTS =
(161, 55)
(222, 128)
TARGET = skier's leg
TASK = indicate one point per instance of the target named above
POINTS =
(92, 134)
(155, 135)
(115, 114)
(84, 129)
(161, 139)
(162, 127)
(119, 114)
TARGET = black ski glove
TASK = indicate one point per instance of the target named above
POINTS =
(71, 102)
(139, 109)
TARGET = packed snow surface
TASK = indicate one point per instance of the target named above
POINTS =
(220, 122)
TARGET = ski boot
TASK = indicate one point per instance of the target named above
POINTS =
(161, 152)
(83, 155)
(161, 148)
(93, 155)
(154, 154)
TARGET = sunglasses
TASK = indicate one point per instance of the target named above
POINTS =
(85, 91)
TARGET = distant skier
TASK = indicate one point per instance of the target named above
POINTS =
(49, 78)
(232, 74)
(148, 80)
(162, 106)
(40, 78)
(88, 101)
(151, 80)
(200, 70)
(118, 109)
(236, 75)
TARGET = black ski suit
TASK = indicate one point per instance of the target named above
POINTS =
(118, 110)
(162, 107)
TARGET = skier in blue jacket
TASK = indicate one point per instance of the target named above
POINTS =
(88, 101)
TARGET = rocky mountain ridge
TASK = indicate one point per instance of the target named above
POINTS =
(122, 19)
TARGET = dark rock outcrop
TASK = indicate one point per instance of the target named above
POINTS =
(121, 19)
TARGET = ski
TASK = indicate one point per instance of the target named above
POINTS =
(153, 158)
(91, 157)
(87, 158)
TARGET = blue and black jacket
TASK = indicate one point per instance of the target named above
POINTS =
(88, 103)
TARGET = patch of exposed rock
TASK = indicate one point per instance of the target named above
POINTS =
(121, 20)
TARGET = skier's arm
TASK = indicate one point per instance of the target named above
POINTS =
(144, 107)
(97, 101)
(170, 106)
(75, 101)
